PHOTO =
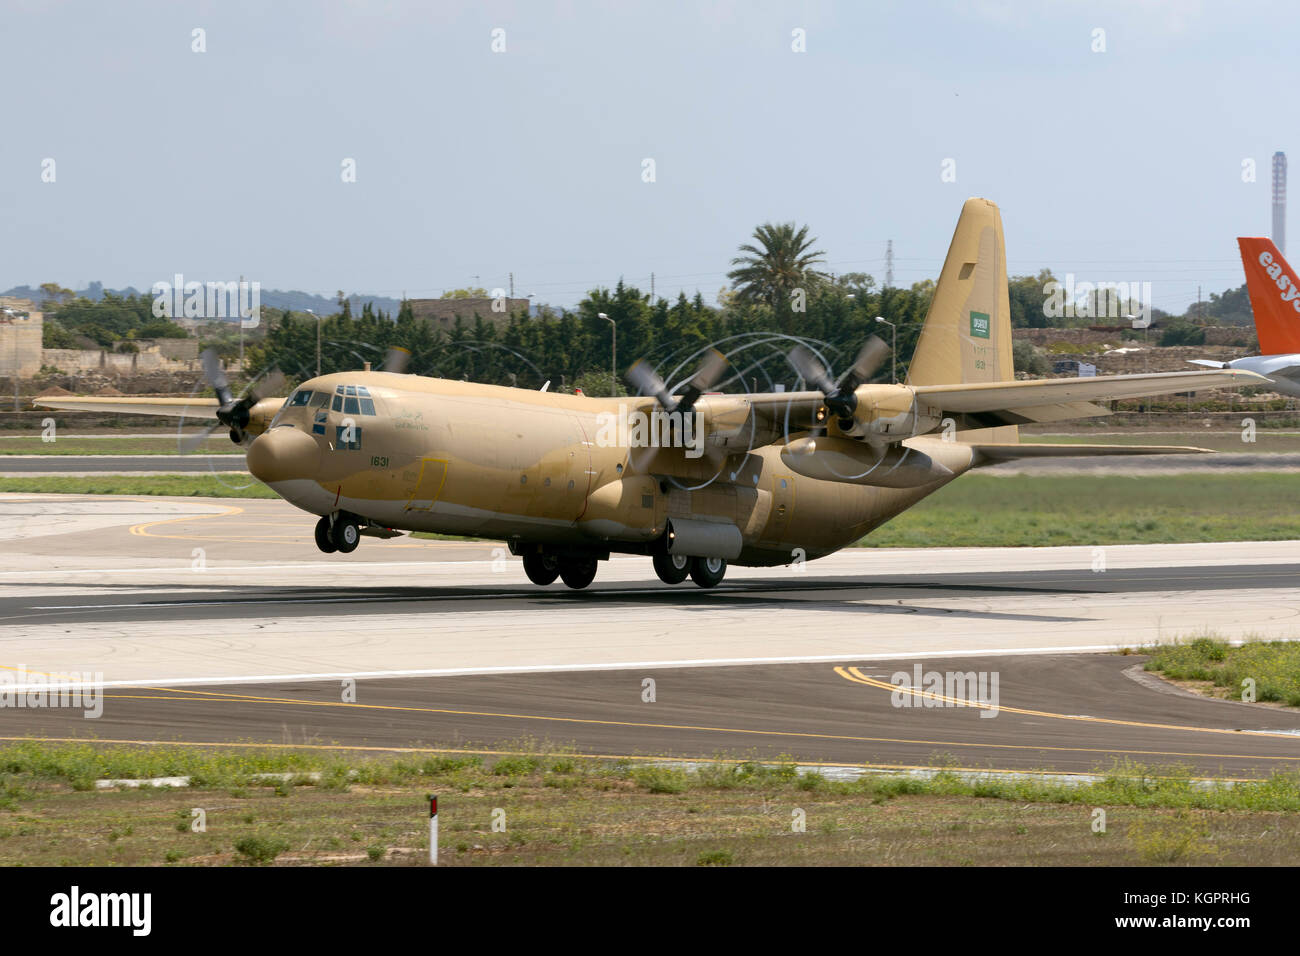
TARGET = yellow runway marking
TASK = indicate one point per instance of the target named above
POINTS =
(143, 529)
(855, 675)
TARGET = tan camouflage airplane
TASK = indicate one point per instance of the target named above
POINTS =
(693, 480)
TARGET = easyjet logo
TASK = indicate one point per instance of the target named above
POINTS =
(1290, 292)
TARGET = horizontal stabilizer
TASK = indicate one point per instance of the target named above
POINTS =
(1000, 396)
(988, 453)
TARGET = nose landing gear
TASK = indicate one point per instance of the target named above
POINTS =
(338, 532)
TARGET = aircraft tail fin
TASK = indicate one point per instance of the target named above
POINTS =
(966, 337)
(1274, 295)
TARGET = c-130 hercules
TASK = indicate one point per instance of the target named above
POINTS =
(693, 481)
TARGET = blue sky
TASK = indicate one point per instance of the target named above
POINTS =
(1124, 165)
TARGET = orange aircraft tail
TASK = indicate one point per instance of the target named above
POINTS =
(1274, 296)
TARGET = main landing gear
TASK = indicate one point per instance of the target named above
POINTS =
(338, 532)
(578, 570)
(708, 572)
(575, 570)
(672, 568)
(676, 568)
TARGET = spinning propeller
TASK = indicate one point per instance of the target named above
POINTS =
(396, 359)
(841, 397)
(232, 412)
(647, 382)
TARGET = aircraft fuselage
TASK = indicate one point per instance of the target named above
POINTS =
(543, 468)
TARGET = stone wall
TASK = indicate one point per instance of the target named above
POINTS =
(155, 355)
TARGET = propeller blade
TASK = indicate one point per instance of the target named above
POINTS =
(191, 442)
(813, 371)
(647, 382)
(216, 377)
(871, 356)
(396, 360)
(707, 376)
(268, 384)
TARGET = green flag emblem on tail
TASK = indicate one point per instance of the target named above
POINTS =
(979, 325)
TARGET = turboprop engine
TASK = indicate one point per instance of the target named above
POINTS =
(889, 413)
(881, 413)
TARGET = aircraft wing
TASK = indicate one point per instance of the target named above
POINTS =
(176, 407)
(765, 417)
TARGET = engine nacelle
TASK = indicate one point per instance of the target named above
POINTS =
(891, 413)
(859, 463)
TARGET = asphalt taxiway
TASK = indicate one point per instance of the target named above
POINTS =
(217, 621)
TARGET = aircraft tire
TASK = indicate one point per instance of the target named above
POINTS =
(346, 535)
(672, 568)
(323, 539)
(541, 569)
(577, 573)
(708, 572)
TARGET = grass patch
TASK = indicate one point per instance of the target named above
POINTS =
(196, 485)
(1273, 666)
(217, 444)
(371, 811)
(1023, 511)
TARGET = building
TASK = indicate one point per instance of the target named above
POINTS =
(22, 329)
(443, 313)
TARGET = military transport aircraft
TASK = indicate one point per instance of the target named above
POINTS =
(692, 480)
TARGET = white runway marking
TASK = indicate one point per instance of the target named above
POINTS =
(568, 668)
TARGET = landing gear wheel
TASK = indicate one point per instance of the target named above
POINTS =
(323, 539)
(708, 572)
(346, 535)
(672, 568)
(542, 569)
(577, 573)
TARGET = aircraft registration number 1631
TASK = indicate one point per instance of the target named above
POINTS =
(378, 461)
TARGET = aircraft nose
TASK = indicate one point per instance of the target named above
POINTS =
(283, 454)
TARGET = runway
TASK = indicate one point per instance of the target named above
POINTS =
(228, 605)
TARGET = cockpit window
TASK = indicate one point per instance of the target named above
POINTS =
(319, 399)
(353, 400)
(300, 398)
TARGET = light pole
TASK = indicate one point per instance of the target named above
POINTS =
(893, 349)
(313, 313)
(613, 366)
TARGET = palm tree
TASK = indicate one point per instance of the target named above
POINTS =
(776, 266)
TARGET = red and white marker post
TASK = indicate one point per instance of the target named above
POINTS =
(433, 830)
